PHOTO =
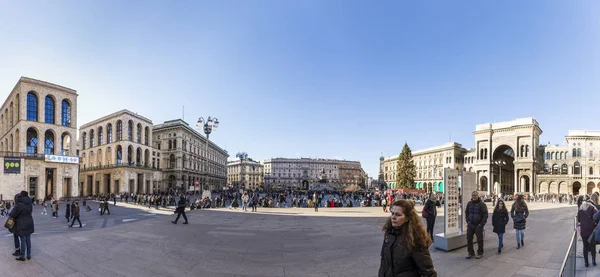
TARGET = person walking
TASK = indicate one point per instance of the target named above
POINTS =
(68, 212)
(76, 211)
(587, 224)
(44, 205)
(106, 210)
(180, 211)
(476, 215)
(499, 221)
(24, 226)
(16, 238)
(519, 213)
(54, 209)
(430, 209)
(405, 250)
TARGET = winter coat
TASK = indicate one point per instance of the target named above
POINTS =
(68, 211)
(399, 261)
(245, 198)
(499, 221)
(54, 207)
(430, 208)
(476, 213)
(586, 221)
(75, 209)
(22, 215)
(597, 219)
(519, 216)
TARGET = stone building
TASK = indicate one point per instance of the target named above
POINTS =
(183, 157)
(37, 127)
(245, 173)
(117, 155)
(305, 172)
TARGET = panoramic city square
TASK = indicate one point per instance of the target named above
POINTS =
(299, 138)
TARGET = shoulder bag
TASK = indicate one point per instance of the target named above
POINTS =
(10, 223)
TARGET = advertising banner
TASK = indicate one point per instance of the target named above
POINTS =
(12, 165)
(451, 201)
(61, 159)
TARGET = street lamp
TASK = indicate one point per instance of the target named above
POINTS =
(500, 164)
(207, 126)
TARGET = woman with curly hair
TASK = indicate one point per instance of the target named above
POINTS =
(405, 250)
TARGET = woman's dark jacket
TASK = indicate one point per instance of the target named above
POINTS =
(399, 261)
(499, 221)
(22, 215)
(519, 216)
(586, 221)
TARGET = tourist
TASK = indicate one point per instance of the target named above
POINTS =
(519, 213)
(180, 210)
(499, 221)
(55, 209)
(68, 212)
(384, 205)
(245, 199)
(75, 209)
(106, 210)
(430, 209)
(585, 216)
(476, 215)
(44, 205)
(405, 250)
(316, 201)
(254, 201)
(24, 226)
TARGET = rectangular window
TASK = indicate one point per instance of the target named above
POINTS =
(591, 154)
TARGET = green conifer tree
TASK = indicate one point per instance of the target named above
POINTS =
(405, 177)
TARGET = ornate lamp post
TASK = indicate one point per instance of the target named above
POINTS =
(500, 163)
(207, 126)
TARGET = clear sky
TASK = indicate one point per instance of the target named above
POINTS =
(333, 79)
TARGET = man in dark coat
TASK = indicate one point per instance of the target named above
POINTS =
(75, 208)
(181, 210)
(476, 215)
(24, 226)
(15, 237)
(430, 213)
(68, 212)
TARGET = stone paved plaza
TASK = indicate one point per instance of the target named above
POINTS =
(272, 242)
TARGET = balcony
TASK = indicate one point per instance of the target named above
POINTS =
(22, 155)
(117, 165)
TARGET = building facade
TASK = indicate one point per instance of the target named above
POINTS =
(306, 172)
(245, 173)
(184, 157)
(37, 140)
(508, 159)
(117, 155)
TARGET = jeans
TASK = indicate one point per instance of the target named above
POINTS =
(520, 235)
(500, 240)
(76, 218)
(17, 241)
(26, 246)
(44, 211)
(180, 214)
(243, 206)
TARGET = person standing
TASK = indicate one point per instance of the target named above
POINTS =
(76, 211)
(68, 212)
(54, 209)
(316, 201)
(254, 201)
(245, 199)
(519, 213)
(585, 216)
(476, 215)
(106, 210)
(431, 213)
(24, 226)
(181, 210)
(499, 221)
(405, 249)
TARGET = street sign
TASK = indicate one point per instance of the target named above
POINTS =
(12, 165)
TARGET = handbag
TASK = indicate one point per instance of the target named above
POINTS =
(10, 223)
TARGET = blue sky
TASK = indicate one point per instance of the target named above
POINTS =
(336, 79)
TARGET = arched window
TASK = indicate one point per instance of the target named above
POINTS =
(574, 152)
(66, 144)
(522, 151)
(32, 106)
(109, 133)
(138, 156)
(564, 169)
(146, 135)
(100, 135)
(139, 133)
(130, 130)
(119, 130)
(99, 157)
(129, 155)
(555, 169)
(147, 158)
(119, 155)
(578, 152)
(591, 170)
(170, 145)
(49, 143)
(32, 141)
(172, 161)
(485, 152)
(92, 139)
(175, 144)
(576, 168)
(545, 168)
(49, 110)
(66, 113)
(547, 155)
(91, 160)
(108, 156)
(84, 140)
(561, 155)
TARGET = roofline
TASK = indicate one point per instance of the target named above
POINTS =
(124, 111)
(185, 125)
(44, 83)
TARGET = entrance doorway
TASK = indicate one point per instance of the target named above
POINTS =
(140, 183)
(131, 186)
(32, 186)
(504, 169)
(90, 181)
(107, 187)
(147, 186)
(81, 189)
(67, 190)
(576, 188)
(50, 182)
(117, 188)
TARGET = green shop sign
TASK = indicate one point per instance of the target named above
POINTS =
(12, 165)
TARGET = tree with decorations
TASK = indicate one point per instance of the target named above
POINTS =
(406, 171)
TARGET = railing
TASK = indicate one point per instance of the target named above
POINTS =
(568, 268)
(100, 167)
(22, 155)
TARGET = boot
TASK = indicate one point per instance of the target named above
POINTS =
(522, 243)
(17, 252)
(518, 246)
(594, 260)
